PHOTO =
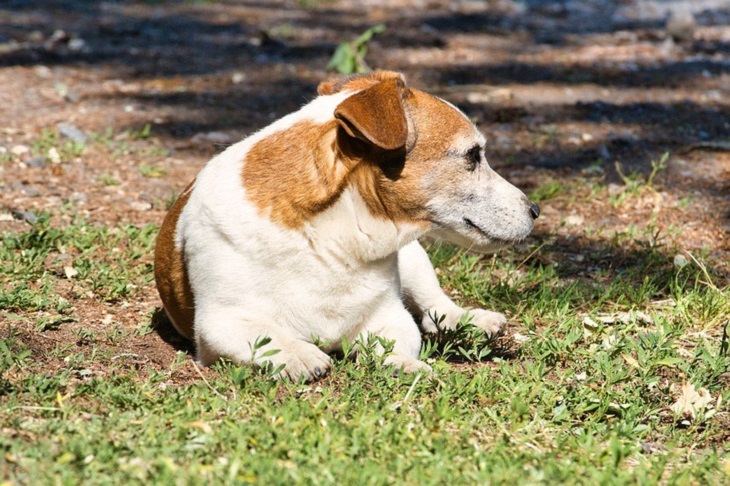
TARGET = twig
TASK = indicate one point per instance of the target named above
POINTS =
(200, 373)
(413, 385)
(29, 407)
(530, 255)
(127, 355)
(704, 271)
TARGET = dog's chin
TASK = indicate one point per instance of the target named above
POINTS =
(473, 240)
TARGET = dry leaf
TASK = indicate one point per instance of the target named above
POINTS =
(691, 401)
(70, 271)
(199, 424)
(631, 361)
(590, 327)
(520, 338)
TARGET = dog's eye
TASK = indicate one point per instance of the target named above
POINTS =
(473, 158)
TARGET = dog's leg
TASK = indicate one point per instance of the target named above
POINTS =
(422, 292)
(220, 333)
(393, 322)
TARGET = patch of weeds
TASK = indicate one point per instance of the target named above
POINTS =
(144, 328)
(53, 322)
(84, 336)
(34, 296)
(546, 135)
(6, 157)
(349, 57)
(131, 141)
(151, 171)
(685, 201)
(464, 343)
(155, 151)
(108, 180)
(12, 351)
(23, 254)
(312, 3)
(547, 190)
(49, 144)
(114, 263)
(143, 133)
(110, 262)
(106, 138)
(115, 334)
(635, 183)
(169, 200)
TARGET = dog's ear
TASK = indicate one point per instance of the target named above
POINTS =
(376, 115)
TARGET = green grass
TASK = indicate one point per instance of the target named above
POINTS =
(100, 260)
(583, 395)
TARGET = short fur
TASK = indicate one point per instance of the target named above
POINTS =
(306, 232)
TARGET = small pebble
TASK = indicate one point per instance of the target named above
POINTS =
(27, 216)
(20, 150)
(54, 156)
(681, 26)
(574, 220)
(76, 45)
(680, 261)
(215, 138)
(70, 272)
(35, 36)
(140, 206)
(71, 132)
(37, 163)
(43, 72)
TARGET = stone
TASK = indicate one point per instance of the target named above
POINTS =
(681, 26)
(37, 162)
(20, 150)
(71, 132)
(27, 216)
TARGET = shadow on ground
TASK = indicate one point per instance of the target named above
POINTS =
(281, 52)
(167, 332)
(139, 40)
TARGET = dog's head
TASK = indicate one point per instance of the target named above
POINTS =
(417, 158)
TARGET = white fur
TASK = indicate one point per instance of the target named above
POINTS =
(344, 275)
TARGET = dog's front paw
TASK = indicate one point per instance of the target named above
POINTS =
(407, 364)
(445, 315)
(491, 322)
(301, 361)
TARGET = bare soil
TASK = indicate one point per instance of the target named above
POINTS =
(565, 91)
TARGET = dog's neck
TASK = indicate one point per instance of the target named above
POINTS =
(350, 232)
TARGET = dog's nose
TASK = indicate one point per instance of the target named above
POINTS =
(534, 210)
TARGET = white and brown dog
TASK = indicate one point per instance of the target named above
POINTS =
(305, 232)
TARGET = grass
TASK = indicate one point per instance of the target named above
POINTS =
(102, 262)
(583, 393)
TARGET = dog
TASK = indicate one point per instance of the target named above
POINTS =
(305, 234)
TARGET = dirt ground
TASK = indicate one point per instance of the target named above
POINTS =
(565, 91)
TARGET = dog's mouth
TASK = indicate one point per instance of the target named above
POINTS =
(471, 224)
(468, 234)
(493, 239)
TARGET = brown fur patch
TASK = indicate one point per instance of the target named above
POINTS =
(357, 82)
(376, 115)
(295, 173)
(170, 272)
(399, 188)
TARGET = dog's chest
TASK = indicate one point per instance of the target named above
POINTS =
(322, 281)
(348, 267)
